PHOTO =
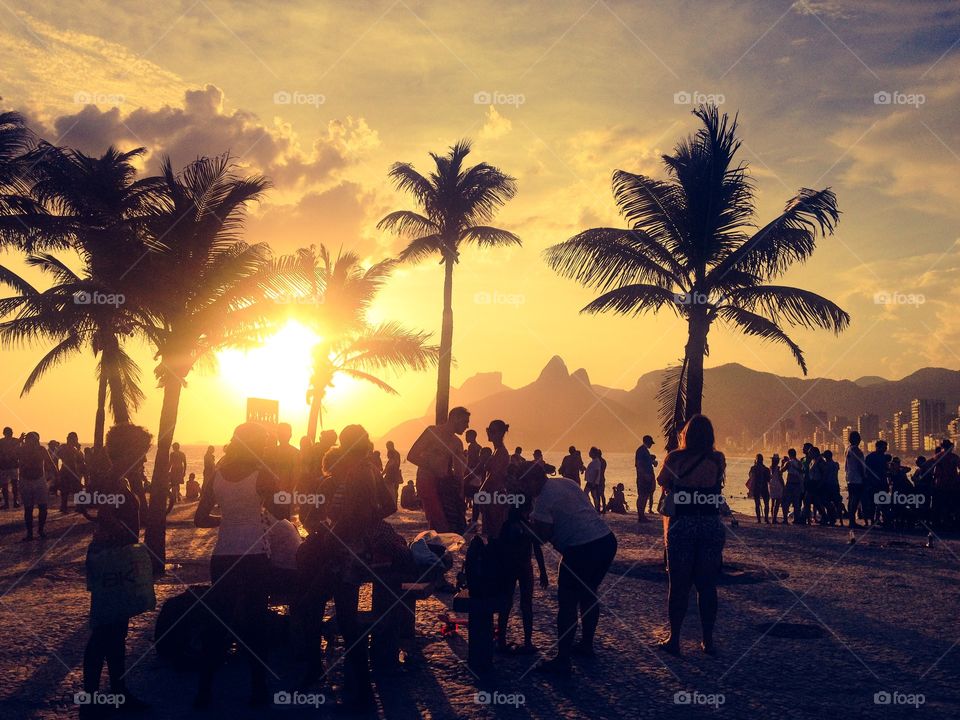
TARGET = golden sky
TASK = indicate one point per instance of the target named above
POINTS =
(323, 98)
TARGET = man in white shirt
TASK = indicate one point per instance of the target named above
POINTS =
(563, 514)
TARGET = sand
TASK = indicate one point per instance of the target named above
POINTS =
(876, 622)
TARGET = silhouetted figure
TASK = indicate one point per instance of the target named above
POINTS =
(239, 568)
(36, 466)
(408, 497)
(392, 474)
(875, 480)
(593, 479)
(776, 489)
(73, 468)
(563, 515)
(854, 471)
(193, 488)
(693, 533)
(517, 457)
(178, 473)
(793, 486)
(10, 468)
(474, 475)
(644, 463)
(572, 467)
(758, 485)
(493, 509)
(617, 503)
(441, 466)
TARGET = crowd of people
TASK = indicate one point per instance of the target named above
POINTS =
(881, 491)
(307, 524)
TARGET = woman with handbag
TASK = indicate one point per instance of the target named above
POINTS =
(692, 479)
(114, 552)
(239, 566)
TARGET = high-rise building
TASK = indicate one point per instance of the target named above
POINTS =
(902, 435)
(810, 421)
(927, 417)
(868, 425)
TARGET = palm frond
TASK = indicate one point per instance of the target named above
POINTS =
(633, 299)
(672, 401)
(793, 305)
(758, 326)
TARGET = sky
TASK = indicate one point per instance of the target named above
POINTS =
(857, 95)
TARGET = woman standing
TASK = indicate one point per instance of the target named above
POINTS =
(495, 481)
(239, 567)
(36, 468)
(692, 478)
(759, 485)
(591, 479)
(776, 488)
(117, 519)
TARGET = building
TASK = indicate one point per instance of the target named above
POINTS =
(902, 435)
(810, 421)
(868, 425)
(927, 417)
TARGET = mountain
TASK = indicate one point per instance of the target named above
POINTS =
(560, 408)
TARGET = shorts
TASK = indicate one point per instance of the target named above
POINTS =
(34, 491)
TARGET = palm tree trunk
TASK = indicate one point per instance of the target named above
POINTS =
(695, 352)
(312, 422)
(156, 531)
(446, 345)
(101, 417)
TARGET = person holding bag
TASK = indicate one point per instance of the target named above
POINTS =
(119, 574)
(692, 480)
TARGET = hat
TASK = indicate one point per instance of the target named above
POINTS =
(649, 439)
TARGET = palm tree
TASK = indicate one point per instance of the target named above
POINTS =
(340, 292)
(56, 316)
(455, 203)
(95, 206)
(692, 247)
(210, 288)
(16, 142)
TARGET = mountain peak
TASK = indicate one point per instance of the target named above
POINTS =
(581, 376)
(555, 369)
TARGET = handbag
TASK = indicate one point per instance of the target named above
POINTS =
(120, 581)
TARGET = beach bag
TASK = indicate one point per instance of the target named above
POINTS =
(120, 581)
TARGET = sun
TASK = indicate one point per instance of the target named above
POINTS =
(279, 369)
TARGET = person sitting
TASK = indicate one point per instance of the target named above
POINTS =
(618, 501)
(408, 497)
(193, 488)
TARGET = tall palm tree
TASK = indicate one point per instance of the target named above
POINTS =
(55, 316)
(210, 289)
(456, 203)
(97, 207)
(340, 291)
(692, 247)
(16, 142)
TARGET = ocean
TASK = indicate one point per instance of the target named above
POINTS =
(619, 469)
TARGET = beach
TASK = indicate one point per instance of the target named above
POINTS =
(809, 626)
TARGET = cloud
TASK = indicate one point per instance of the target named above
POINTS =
(495, 125)
(201, 125)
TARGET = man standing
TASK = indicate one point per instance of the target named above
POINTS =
(392, 474)
(571, 467)
(178, 473)
(875, 480)
(441, 466)
(853, 469)
(646, 482)
(9, 467)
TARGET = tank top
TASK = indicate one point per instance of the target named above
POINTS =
(243, 527)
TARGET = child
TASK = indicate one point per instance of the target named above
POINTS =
(193, 488)
(618, 501)
(515, 543)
